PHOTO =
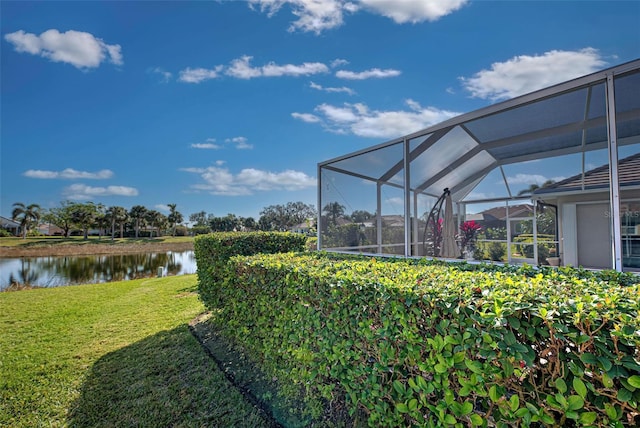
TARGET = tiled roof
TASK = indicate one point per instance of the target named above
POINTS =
(598, 178)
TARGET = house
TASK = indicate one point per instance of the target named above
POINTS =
(12, 226)
(49, 229)
(497, 216)
(584, 215)
(480, 159)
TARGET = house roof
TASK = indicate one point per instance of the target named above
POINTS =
(500, 213)
(598, 178)
(8, 223)
(457, 154)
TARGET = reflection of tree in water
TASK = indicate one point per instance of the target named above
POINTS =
(91, 269)
(26, 275)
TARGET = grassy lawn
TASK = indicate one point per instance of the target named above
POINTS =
(114, 354)
(79, 240)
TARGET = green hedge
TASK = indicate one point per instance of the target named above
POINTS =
(213, 250)
(439, 345)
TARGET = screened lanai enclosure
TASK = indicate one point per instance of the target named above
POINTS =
(551, 177)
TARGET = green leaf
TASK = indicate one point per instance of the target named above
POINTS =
(624, 395)
(579, 387)
(422, 383)
(611, 411)
(399, 387)
(474, 366)
(634, 381)
(493, 393)
(514, 403)
(450, 419)
(588, 358)
(561, 385)
(476, 420)
(413, 404)
(575, 402)
(588, 418)
(402, 408)
(466, 408)
(605, 363)
(509, 338)
(606, 380)
(440, 368)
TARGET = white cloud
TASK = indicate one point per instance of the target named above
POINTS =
(374, 73)
(529, 179)
(359, 120)
(80, 49)
(524, 73)
(313, 15)
(330, 89)
(241, 69)
(240, 142)
(317, 16)
(306, 117)
(82, 191)
(165, 76)
(207, 146)
(69, 174)
(162, 208)
(197, 75)
(220, 181)
(338, 62)
(412, 11)
(395, 201)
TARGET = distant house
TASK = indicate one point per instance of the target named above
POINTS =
(497, 216)
(12, 226)
(49, 229)
(306, 228)
(584, 215)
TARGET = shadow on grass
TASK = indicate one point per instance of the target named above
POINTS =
(163, 380)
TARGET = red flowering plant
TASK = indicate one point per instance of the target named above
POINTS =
(468, 235)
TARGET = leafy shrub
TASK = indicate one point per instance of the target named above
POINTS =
(4, 233)
(200, 230)
(431, 344)
(212, 252)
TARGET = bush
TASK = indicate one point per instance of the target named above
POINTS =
(181, 231)
(200, 230)
(431, 344)
(213, 251)
(4, 233)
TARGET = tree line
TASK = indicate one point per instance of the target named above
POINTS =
(84, 217)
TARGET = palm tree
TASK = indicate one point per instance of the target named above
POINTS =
(334, 210)
(174, 218)
(156, 219)
(137, 213)
(27, 215)
(117, 215)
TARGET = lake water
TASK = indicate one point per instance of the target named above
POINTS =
(71, 270)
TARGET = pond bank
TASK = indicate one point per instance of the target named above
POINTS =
(93, 249)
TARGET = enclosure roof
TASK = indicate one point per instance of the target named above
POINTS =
(566, 118)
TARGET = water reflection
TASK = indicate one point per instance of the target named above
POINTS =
(68, 270)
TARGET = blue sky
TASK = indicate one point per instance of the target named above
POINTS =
(228, 106)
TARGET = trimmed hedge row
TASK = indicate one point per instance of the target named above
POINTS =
(213, 250)
(435, 345)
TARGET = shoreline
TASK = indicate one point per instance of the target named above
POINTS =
(58, 250)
